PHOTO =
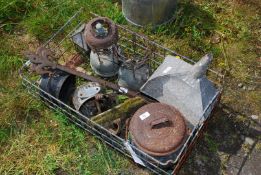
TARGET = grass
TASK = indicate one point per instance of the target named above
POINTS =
(35, 140)
(52, 143)
(212, 145)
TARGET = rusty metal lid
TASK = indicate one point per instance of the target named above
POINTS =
(110, 33)
(158, 129)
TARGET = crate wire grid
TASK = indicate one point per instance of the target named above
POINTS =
(138, 43)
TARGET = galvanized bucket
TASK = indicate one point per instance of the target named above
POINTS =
(148, 12)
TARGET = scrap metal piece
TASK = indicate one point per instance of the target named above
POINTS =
(158, 129)
(116, 126)
(85, 92)
(75, 61)
(132, 75)
(182, 85)
(90, 108)
(89, 101)
(42, 60)
(120, 111)
(78, 39)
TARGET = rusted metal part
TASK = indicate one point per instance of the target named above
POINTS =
(117, 126)
(42, 60)
(158, 129)
(93, 107)
(75, 61)
(105, 102)
(101, 35)
(89, 108)
(46, 53)
(78, 39)
(84, 93)
(88, 100)
(43, 65)
(127, 125)
(107, 39)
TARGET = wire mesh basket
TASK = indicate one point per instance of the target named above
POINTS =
(132, 45)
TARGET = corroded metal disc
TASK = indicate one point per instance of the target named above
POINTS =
(158, 129)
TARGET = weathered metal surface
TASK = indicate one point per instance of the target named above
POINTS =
(60, 85)
(104, 64)
(101, 33)
(116, 126)
(44, 85)
(182, 85)
(42, 60)
(89, 100)
(158, 129)
(148, 12)
(75, 61)
(132, 76)
(78, 39)
(85, 92)
(89, 108)
(97, 105)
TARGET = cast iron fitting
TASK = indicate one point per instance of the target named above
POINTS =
(101, 33)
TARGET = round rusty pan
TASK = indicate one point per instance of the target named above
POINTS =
(158, 129)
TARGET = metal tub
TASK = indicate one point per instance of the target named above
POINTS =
(149, 12)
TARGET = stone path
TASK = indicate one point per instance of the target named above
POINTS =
(231, 146)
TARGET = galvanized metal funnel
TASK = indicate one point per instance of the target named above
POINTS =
(183, 86)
